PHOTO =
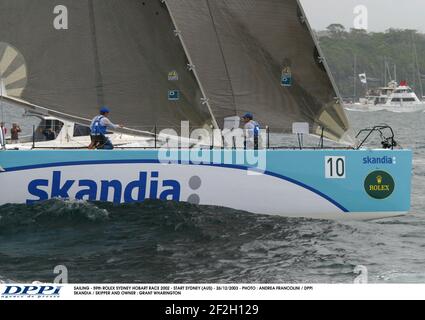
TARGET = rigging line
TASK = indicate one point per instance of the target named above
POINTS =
(222, 54)
(1, 96)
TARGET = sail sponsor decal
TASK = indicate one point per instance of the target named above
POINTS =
(173, 76)
(286, 77)
(131, 181)
(379, 185)
(173, 95)
(379, 160)
(148, 185)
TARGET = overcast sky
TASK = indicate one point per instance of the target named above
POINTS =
(383, 14)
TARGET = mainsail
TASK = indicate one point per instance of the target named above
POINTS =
(122, 53)
(260, 56)
(254, 56)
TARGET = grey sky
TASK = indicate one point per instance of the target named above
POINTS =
(383, 14)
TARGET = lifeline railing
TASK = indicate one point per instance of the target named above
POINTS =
(57, 137)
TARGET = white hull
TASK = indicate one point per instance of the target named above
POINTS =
(390, 108)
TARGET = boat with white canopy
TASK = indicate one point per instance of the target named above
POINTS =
(395, 98)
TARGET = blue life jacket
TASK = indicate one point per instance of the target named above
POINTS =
(97, 128)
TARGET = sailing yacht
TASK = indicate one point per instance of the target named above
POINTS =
(171, 71)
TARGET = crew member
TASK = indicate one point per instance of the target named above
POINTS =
(14, 132)
(252, 131)
(99, 127)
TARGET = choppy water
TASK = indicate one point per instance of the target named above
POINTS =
(159, 242)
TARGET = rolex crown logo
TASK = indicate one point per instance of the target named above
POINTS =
(379, 185)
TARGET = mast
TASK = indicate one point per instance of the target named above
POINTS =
(388, 70)
(192, 67)
(415, 52)
(2, 90)
(395, 72)
(355, 78)
(385, 72)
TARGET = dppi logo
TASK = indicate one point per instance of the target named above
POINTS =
(379, 185)
(147, 186)
(32, 291)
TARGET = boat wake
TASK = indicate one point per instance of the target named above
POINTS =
(4, 280)
(366, 109)
(54, 213)
(354, 109)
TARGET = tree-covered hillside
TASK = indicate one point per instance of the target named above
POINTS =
(373, 53)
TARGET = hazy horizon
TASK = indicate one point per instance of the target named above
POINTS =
(383, 14)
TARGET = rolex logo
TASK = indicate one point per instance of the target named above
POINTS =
(379, 185)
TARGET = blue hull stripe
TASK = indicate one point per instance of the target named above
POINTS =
(229, 166)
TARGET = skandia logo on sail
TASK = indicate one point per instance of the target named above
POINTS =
(379, 160)
(147, 186)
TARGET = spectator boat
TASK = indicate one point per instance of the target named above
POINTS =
(394, 98)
